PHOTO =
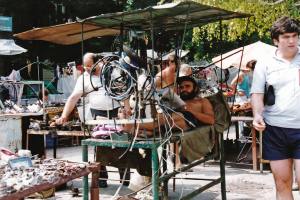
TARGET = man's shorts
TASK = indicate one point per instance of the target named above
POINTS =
(281, 143)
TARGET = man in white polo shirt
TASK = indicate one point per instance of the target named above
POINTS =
(100, 103)
(280, 120)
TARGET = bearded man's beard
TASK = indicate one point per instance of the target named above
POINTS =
(188, 95)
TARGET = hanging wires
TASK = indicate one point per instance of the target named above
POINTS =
(103, 60)
(117, 80)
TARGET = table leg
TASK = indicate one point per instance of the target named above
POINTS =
(260, 152)
(54, 146)
(155, 173)
(175, 154)
(165, 182)
(85, 178)
(44, 135)
(94, 184)
(237, 135)
(27, 140)
(254, 154)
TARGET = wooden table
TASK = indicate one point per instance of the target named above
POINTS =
(92, 168)
(54, 134)
(149, 144)
(253, 135)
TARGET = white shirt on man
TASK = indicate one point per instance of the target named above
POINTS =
(98, 100)
(284, 76)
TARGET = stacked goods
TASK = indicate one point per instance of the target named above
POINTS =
(47, 171)
(53, 111)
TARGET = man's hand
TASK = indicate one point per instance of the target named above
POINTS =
(61, 120)
(258, 123)
(124, 113)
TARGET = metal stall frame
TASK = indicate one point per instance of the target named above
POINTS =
(172, 16)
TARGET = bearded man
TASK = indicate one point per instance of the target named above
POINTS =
(196, 112)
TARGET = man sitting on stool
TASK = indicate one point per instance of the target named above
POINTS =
(196, 112)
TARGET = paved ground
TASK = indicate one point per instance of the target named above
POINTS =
(242, 183)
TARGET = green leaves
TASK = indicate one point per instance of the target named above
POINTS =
(234, 31)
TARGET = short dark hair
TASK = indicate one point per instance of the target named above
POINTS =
(46, 93)
(251, 64)
(284, 25)
(188, 78)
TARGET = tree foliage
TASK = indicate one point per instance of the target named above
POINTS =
(237, 32)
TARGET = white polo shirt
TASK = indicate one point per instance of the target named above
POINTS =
(284, 77)
(99, 100)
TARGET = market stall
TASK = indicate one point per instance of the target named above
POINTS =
(168, 17)
(15, 110)
(21, 176)
(173, 16)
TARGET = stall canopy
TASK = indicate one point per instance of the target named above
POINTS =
(171, 16)
(9, 47)
(250, 52)
(66, 34)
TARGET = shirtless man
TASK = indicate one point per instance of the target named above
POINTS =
(196, 112)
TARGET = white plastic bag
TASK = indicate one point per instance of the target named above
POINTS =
(138, 181)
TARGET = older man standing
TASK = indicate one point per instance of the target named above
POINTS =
(100, 103)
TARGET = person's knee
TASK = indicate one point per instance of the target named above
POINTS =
(283, 184)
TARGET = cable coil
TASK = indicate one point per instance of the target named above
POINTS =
(117, 80)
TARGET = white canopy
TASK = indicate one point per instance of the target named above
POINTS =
(182, 53)
(251, 52)
(9, 47)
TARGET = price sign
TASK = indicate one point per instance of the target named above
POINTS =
(20, 162)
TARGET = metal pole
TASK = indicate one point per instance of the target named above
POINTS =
(221, 137)
(221, 38)
(85, 178)
(165, 168)
(121, 39)
(38, 67)
(155, 172)
(84, 147)
(83, 98)
(43, 100)
(222, 168)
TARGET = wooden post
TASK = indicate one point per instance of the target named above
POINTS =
(254, 154)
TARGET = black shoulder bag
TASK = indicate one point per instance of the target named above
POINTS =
(269, 95)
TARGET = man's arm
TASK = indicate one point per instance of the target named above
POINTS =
(202, 110)
(69, 106)
(257, 109)
(237, 79)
